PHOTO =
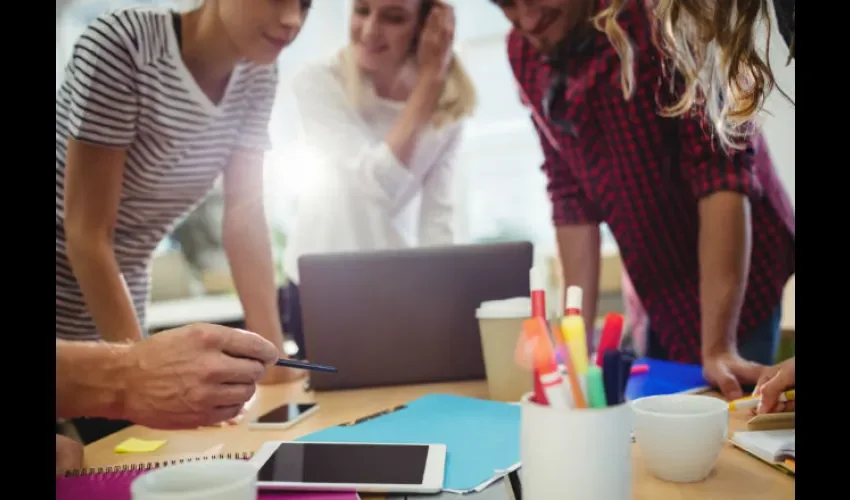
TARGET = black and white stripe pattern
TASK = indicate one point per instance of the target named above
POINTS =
(126, 86)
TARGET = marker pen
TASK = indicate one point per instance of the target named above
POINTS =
(596, 387)
(573, 331)
(750, 402)
(537, 280)
(612, 331)
(572, 387)
(573, 301)
(562, 358)
(547, 370)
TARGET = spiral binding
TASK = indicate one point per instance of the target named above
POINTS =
(155, 465)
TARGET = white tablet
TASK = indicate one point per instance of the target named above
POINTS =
(361, 467)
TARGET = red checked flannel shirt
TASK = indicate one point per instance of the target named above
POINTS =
(643, 175)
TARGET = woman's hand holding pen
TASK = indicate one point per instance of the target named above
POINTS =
(435, 43)
(773, 381)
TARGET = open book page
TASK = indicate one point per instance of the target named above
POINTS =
(787, 451)
(772, 446)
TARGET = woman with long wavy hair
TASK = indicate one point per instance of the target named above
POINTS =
(712, 47)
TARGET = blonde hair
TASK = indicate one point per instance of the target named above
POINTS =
(457, 101)
(606, 22)
(712, 47)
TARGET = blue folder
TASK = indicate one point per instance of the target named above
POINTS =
(664, 377)
(481, 437)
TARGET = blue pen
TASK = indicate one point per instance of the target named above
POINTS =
(626, 359)
(303, 365)
(612, 365)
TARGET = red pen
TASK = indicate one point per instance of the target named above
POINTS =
(537, 280)
(612, 331)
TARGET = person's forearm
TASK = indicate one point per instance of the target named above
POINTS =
(579, 247)
(416, 114)
(248, 248)
(104, 290)
(90, 379)
(724, 259)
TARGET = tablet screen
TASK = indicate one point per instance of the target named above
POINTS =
(345, 463)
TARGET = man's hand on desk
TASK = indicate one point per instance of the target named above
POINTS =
(194, 376)
(728, 370)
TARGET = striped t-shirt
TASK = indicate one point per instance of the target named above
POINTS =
(126, 87)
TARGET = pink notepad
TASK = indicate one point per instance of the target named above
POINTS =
(113, 483)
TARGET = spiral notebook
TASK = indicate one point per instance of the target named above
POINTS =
(113, 483)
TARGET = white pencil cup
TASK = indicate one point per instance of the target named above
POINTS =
(584, 454)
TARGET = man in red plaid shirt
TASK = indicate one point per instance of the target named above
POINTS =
(706, 234)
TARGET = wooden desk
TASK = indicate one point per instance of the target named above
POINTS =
(736, 475)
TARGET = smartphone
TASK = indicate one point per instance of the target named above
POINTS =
(284, 416)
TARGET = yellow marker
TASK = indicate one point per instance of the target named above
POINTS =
(751, 402)
(572, 329)
(134, 445)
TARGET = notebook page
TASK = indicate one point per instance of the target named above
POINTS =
(787, 450)
(770, 445)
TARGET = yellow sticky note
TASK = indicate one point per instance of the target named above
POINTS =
(134, 445)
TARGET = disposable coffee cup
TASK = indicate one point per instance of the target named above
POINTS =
(500, 326)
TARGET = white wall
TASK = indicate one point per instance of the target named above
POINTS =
(779, 114)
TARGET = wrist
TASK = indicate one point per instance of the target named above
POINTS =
(428, 89)
(716, 349)
(118, 365)
(432, 80)
(91, 379)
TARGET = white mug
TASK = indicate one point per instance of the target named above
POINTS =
(202, 480)
(680, 435)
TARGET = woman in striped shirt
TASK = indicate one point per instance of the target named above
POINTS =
(383, 120)
(155, 106)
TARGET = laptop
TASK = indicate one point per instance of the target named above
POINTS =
(396, 317)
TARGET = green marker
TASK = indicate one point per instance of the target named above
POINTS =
(595, 387)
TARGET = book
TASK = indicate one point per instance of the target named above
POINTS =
(772, 422)
(774, 447)
(665, 377)
(113, 483)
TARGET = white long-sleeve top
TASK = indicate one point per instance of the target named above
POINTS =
(361, 196)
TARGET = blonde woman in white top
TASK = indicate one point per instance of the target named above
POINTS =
(383, 119)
